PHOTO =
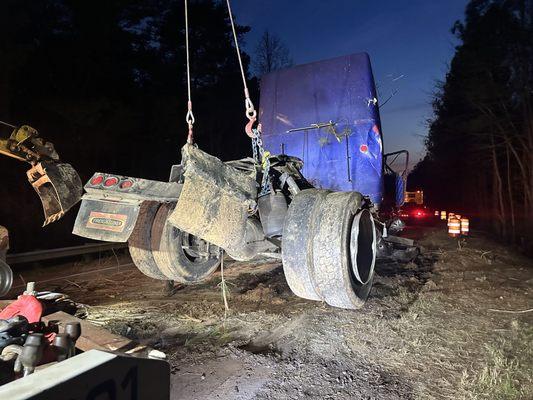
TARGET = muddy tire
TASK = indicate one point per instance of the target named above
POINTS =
(139, 242)
(6, 278)
(344, 250)
(179, 255)
(297, 246)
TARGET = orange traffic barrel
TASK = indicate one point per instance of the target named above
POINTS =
(450, 216)
(454, 227)
(443, 215)
(465, 226)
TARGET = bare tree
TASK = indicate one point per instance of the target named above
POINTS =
(270, 54)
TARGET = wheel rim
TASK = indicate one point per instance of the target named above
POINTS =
(362, 247)
(178, 255)
(6, 278)
(195, 249)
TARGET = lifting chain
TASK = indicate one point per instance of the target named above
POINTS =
(262, 158)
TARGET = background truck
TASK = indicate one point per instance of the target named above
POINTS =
(315, 204)
(416, 197)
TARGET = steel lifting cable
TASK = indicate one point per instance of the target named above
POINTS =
(261, 156)
(189, 118)
(6, 124)
(251, 113)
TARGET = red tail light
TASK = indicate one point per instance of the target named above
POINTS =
(419, 213)
(97, 180)
(112, 181)
(126, 184)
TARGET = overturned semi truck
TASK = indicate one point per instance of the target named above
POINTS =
(312, 197)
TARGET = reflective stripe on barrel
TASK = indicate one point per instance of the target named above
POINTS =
(450, 217)
(465, 226)
(454, 227)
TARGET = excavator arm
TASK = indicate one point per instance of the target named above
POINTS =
(57, 184)
(24, 144)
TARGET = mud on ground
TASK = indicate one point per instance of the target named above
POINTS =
(452, 324)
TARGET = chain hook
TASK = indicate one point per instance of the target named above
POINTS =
(251, 114)
(249, 128)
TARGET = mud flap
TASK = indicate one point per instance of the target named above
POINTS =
(214, 201)
(58, 186)
(110, 221)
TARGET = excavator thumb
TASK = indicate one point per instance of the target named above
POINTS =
(58, 186)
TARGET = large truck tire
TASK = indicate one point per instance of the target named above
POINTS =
(6, 278)
(179, 255)
(344, 250)
(297, 245)
(139, 242)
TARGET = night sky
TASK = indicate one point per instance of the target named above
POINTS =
(409, 43)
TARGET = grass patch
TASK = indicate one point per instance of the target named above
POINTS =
(507, 372)
(218, 335)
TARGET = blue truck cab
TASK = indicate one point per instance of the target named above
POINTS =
(326, 113)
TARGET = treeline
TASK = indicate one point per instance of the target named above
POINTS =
(480, 143)
(105, 81)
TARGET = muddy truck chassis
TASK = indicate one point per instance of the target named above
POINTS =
(315, 206)
(175, 230)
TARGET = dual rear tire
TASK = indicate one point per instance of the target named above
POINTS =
(329, 248)
(161, 251)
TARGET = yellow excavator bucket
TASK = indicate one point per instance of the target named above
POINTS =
(58, 186)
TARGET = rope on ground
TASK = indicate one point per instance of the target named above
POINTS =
(224, 286)
(512, 311)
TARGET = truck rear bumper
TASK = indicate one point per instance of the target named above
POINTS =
(109, 212)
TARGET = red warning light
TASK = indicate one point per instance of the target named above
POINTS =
(126, 184)
(111, 181)
(97, 180)
(363, 148)
(419, 213)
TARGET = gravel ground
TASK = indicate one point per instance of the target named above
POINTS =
(451, 324)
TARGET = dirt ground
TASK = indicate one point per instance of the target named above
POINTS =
(455, 324)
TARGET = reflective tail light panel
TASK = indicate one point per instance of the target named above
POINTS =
(112, 182)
